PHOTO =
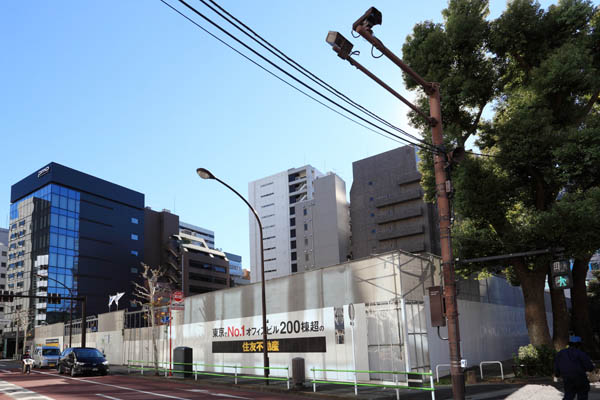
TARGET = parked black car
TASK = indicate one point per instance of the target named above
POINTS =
(82, 360)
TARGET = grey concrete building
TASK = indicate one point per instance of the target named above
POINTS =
(204, 269)
(323, 225)
(387, 209)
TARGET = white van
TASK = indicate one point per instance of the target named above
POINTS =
(46, 356)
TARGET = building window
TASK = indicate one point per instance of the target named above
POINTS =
(306, 241)
(305, 227)
(292, 233)
(267, 194)
(134, 253)
(293, 244)
(370, 199)
(3, 264)
(267, 205)
(372, 214)
(134, 270)
(134, 220)
(134, 236)
(4, 253)
(294, 267)
(370, 183)
(294, 256)
(292, 210)
(292, 221)
(305, 211)
(306, 257)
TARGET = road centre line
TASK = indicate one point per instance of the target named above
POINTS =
(115, 386)
(107, 396)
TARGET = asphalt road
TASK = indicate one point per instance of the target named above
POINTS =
(47, 384)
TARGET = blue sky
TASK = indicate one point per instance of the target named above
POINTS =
(133, 93)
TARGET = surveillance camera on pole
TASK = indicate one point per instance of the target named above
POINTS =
(369, 19)
(340, 44)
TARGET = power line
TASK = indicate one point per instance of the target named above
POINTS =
(401, 141)
(298, 67)
(284, 71)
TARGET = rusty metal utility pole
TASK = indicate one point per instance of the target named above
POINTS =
(363, 26)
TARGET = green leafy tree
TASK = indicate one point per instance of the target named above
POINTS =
(526, 87)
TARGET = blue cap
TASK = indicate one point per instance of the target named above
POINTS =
(574, 339)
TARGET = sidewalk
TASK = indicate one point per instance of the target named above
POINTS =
(542, 389)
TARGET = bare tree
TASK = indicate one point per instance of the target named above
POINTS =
(149, 296)
(21, 320)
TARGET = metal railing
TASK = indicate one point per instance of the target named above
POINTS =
(490, 362)
(437, 371)
(397, 386)
(237, 372)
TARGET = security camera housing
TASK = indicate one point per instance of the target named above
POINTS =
(340, 44)
(369, 19)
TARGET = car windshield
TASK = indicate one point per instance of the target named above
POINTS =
(50, 352)
(88, 353)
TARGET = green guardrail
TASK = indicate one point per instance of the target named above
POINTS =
(357, 384)
(145, 365)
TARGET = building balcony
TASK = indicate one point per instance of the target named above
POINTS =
(41, 305)
(40, 317)
(406, 195)
(42, 283)
(398, 215)
(298, 189)
(400, 232)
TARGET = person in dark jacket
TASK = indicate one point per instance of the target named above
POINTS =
(571, 364)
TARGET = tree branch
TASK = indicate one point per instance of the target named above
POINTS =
(588, 107)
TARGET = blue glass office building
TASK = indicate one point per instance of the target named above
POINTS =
(72, 232)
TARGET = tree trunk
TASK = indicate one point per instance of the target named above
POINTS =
(581, 316)
(532, 286)
(560, 319)
(154, 340)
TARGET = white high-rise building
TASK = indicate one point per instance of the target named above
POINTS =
(305, 218)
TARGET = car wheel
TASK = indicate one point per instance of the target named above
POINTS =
(60, 369)
(73, 371)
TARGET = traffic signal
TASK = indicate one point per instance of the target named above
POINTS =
(6, 296)
(54, 298)
(561, 275)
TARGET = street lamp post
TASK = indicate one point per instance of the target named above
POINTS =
(70, 306)
(206, 174)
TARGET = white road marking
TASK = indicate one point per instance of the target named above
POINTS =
(115, 386)
(107, 396)
(17, 392)
(231, 396)
(6, 371)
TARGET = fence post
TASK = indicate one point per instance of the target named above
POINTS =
(431, 383)
(235, 368)
(142, 368)
(166, 370)
(355, 387)
(397, 390)
(314, 379)
(128, 367)
(288, 377)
